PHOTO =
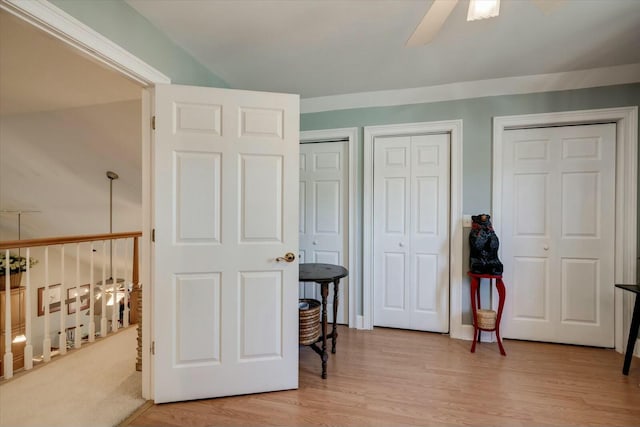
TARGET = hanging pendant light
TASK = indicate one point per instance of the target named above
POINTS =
(115, 283)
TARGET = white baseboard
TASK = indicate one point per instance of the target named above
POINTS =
(359, 322)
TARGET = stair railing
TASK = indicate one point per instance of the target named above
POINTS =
(70, 296)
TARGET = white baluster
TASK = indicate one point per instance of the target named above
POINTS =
(28, 347)
(127, 281)
(62, 335)
(114, 295)
(46, 342)
(8, 355)
(92, 323)
(103, 290)
(78, 331)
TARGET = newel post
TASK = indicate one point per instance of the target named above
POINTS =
(135, 314)
(136, 301)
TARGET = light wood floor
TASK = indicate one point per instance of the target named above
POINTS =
(394, 377)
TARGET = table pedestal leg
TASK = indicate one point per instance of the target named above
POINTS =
(501, 297)
(633, 336)
(334, 332)
(324, 290)
(473, 287)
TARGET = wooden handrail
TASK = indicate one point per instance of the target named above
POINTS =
(49, 241)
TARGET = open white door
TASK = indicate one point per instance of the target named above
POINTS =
(225, 189)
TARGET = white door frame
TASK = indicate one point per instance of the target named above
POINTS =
(351, 135)
(626, 119)
(454, 128)
(88, 42)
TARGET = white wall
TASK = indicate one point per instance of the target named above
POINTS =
(55, 162)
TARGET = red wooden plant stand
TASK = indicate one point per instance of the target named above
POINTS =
(475, 305)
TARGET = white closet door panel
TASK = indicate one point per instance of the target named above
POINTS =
(530, 289)
(392, 174)
(430, 232)
(327, 206)
(395, 202)
(580, 290)
(426, 271)
(394, 284)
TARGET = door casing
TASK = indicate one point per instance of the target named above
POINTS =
(626, 120)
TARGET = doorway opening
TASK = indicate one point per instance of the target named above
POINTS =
(96, 84)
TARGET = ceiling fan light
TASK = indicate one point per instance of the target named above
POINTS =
(482, 9)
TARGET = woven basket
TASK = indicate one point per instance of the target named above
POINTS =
(486, 319)
(309, 322)
(14, 280)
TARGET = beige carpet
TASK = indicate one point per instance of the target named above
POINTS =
(95, 386)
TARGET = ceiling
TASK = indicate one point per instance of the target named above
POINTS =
(40, 73)
(318, 48)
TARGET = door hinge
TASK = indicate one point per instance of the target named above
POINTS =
(153, 348)
(153, 122)
(153, 235)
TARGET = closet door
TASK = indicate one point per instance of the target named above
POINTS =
(411, 237)
(558, 242)
(324, 216)
(391, 236)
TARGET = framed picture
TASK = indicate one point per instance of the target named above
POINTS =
(54, 299)
(71, 299)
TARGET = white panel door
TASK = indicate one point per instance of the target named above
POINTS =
(323, 216)
(411, 232)
(557, 242)
(225, 207)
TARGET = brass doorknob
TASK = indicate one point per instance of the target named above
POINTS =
(288, 257)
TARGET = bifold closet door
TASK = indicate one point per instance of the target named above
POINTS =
(324, 216)
(411, 232)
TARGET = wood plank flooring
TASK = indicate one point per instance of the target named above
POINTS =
(394, 377)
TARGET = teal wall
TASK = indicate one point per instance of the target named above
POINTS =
(123, 25)
(477, 115)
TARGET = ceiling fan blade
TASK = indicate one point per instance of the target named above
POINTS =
(547, 6)
(432, 22)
